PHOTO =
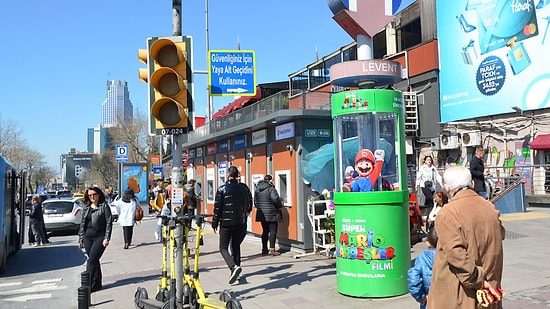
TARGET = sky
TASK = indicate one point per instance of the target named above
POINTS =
(58, 55)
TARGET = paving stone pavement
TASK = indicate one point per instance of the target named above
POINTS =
(310, 281)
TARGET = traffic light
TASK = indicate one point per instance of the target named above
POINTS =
(168, 78)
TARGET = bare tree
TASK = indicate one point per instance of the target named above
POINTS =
(135, 135)
(105, 172)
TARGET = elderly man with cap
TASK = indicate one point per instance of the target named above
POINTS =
(469, 254)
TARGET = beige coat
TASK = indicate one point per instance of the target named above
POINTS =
(469, 251)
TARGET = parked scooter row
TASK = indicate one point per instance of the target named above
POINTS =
(193, 292)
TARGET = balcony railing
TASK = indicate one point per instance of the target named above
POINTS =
(283, 100)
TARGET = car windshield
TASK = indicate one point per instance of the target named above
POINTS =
(58, 207)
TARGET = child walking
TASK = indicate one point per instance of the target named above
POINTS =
(420, 275)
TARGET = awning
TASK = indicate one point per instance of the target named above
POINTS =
(238, 104)
(541, 142)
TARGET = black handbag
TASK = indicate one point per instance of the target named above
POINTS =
(428, 183)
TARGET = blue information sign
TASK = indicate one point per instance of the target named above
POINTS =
(231, 73)
(122, 153)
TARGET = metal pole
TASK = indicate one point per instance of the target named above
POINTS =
(210, 108)
(177, 142)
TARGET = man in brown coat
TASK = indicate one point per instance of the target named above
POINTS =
(469, 253)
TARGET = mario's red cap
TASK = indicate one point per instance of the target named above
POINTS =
(364, 154)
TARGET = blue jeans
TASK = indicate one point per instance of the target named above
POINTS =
(483, 194)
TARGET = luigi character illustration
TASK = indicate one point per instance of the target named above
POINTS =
(368, 167)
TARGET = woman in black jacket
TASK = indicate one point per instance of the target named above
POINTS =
(268, 212)
(95, 232)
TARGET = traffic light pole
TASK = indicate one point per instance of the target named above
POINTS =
(177, 142)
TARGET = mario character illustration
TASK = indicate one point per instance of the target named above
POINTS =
(368, 167)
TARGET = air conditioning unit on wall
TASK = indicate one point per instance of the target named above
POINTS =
(471, 138)
(434, 142)
(448, 141)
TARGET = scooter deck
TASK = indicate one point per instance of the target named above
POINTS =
(212, 303)
(149, 303)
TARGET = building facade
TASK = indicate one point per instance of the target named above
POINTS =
(117, 105)
(289, 134)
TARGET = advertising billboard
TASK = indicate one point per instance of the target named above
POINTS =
(76, 169)
(135, 177)
(493, 57)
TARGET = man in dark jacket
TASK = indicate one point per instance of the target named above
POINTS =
(36, 220)
(268, 212)
(477, 169)
(231, 208)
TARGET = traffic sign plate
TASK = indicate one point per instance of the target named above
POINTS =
(122, 153)
(231, 73)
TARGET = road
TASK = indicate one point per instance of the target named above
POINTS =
(43, 277)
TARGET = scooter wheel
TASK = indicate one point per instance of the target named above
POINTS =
(225, 296)
(163, 295)
(233, 303)
(194, 300)
(186, 293)
(140, 294)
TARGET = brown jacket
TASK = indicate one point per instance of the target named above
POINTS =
(469, 251)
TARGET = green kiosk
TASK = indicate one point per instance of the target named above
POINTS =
(371, 196)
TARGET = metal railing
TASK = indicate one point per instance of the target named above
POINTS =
(283, 100)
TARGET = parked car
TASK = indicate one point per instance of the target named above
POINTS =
(28, 200)
(114, 212)
(63, 214)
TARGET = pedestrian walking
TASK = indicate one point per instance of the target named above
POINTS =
(36, 222)
(477, 169)
(95, 233)
(126, 208)
(157, 200)
(268, 213)
(232, 206)
(426, 179)
(469, 253)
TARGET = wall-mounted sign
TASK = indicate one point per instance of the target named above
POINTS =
(259, 137)
(284, 131)
(240, 142)
(223, 146)
(211, 149)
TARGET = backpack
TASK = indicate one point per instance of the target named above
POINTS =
(139, 214)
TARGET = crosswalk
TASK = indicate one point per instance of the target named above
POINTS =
(17, 291)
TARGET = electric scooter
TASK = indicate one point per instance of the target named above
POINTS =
(163, 288)
(192, 289)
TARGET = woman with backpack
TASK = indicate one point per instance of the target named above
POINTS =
(268, 212)
(126, 207)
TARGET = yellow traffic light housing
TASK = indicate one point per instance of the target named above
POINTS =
(169, 81)
(143, 57)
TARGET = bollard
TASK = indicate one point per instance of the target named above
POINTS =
(86, 281)
(84, 297)
(85, 278)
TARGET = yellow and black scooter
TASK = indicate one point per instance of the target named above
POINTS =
(192, 288)
(163, 291)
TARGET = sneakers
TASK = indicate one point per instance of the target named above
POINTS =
(235, 273)
(274, 252)
(37, 244)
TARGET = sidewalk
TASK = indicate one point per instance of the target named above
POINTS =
(310, 281)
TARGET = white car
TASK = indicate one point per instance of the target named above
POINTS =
(63, 214)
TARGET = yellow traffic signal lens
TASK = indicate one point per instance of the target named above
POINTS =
(168, 82)
(169, 112)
